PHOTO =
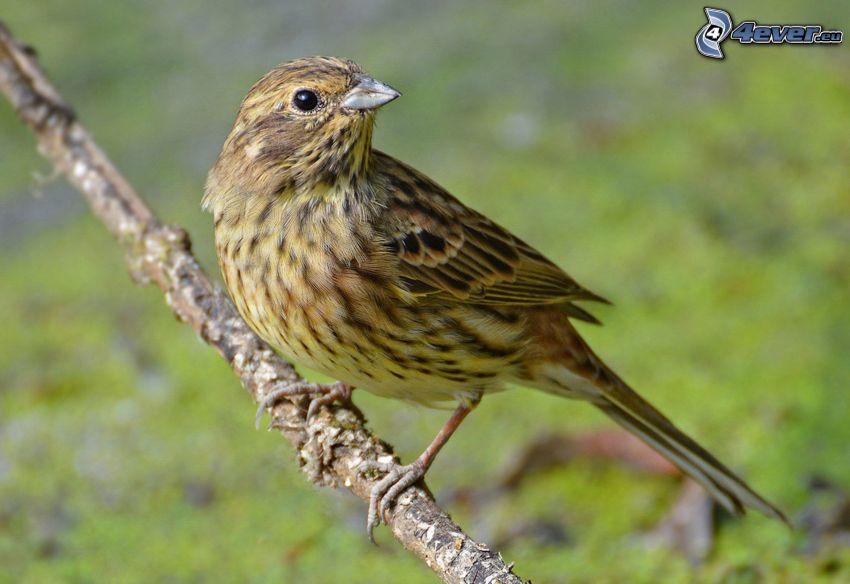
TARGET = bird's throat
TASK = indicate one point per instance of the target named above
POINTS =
(337, 158)
(333, 162)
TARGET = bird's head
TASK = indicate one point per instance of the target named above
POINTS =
(306, 122)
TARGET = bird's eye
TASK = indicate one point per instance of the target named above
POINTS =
(305, 100)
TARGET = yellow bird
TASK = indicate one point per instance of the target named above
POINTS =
(358, 266)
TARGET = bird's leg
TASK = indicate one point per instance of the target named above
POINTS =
(398, 478)
(325, 395)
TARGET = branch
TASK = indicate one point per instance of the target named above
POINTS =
(332, 445)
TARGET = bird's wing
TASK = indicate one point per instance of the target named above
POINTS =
(446, 248)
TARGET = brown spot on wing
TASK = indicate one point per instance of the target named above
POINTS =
(446, 248)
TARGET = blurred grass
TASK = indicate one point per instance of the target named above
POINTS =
(708, 200)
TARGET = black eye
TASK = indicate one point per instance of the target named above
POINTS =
(305, 100)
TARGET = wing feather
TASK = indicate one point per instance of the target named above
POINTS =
(446, 248)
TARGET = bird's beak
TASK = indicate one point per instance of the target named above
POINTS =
(369, 94)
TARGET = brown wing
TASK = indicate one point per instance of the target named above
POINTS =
(448, 249)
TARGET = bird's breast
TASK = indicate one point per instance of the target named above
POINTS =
(327, 295)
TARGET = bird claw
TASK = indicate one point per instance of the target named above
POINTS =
(330, 393)
(327, 394)
(388, 489)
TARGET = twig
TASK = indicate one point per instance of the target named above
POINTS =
(335, 441)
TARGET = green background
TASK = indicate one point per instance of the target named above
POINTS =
(709, 200)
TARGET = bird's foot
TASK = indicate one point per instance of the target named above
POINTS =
(388, 489)
(325, 394)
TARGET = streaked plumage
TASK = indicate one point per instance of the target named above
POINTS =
(357, 265)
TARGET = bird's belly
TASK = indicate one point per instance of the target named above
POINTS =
(422, 352)
(394, 362)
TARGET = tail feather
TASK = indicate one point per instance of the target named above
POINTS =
(621, 403)
(723, 484)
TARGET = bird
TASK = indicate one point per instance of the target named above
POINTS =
(356, 265)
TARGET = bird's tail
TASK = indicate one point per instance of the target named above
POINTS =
(613, 396)
(680, 449)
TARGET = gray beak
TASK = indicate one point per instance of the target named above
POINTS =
(369, 94)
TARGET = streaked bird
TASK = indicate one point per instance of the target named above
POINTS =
(358, 266)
